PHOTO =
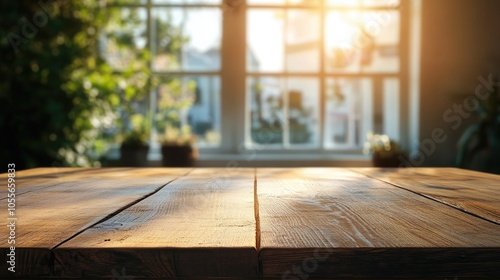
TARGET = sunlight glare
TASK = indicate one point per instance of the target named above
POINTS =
(265, 37)
(339, 33)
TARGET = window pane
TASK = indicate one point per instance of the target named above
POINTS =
(303, 111)
(340, 31)
(302, 44)
(384, 28)
(192, 102)
(305, 2)
(391, 108)
(274, 49)
(265, 40)
(124, 37)
(362, 41)
(186, 39)
(283, 2)
(268, 107)
(266, 2)
(266, 110)
(378, 3)
(343, 3)
(348, 112)
(365, 3)
(186, 1)
(204, 114)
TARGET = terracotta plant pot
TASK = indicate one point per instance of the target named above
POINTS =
(134, 156)
(178, 155)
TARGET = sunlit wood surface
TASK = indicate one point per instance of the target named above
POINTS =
(473, 192)
(275, 223)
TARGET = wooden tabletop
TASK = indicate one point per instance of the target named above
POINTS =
(300, 223)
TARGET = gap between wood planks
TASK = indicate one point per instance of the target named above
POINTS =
(256, 210)
(123, 208)
(260, 271)
(427, 196)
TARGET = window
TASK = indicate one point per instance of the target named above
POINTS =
(184, 42)
(282, 75)
(313, 70)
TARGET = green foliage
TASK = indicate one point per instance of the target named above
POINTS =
(175, 98)
(177, 136)
(381, 145)
(139, 134)
(60, 100)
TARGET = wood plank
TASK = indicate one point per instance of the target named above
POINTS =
(201, 225)
(327, 222)
(34, 179)
(48, 216)
(474, 192)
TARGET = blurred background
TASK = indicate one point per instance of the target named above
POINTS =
(394, 83)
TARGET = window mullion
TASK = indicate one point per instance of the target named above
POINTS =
(284, 83)
(233, 85)
(322, 77)
(152, 91)
(378, 113)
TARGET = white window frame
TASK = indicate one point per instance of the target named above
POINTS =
(233, 96)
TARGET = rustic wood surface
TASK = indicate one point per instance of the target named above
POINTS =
(199, 225)
(276, 223)
(36, 179)
(48, 215)
(302, 210)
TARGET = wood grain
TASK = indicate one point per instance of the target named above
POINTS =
(383, 263)
(199, 225)
(29, 262)
(360, 219)
(474, 192)
(37, 178)
(49, 215)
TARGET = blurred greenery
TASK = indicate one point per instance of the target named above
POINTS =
(175, 97)
(62, 101)
(483, 135)
(139, 134)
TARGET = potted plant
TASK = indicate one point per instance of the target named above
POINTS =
(479, 145)
(134, 148)
(385, 152)
(177, 141)
(178, 149)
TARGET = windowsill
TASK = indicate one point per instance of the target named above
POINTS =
(284, 160)
(263, 158)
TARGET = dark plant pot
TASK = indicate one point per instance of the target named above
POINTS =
(178, 155)
(134, 156)
(391, 161)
